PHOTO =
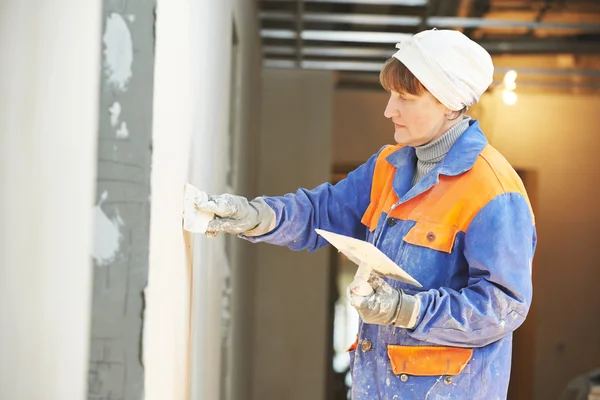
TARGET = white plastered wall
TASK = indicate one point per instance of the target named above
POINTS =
(49, 69)
(183, 318)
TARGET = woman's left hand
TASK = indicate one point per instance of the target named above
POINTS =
(380, 307)
(385, 306)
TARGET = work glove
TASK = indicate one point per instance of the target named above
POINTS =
(236, 215)
(386, 305)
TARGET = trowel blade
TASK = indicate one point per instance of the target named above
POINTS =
(194, 220)
(361, 252)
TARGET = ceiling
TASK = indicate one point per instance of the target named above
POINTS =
(353, 36)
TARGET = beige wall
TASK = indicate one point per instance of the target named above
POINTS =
(291, 287)
(555, 135)
(359, 127)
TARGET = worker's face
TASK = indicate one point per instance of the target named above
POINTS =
(418, 120)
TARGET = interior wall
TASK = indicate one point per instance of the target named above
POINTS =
(191, 307)
(49, 68)
(167, 313)
(244, 150)
(122, 212)
(555, 136)
(359, 127)
(290, 322)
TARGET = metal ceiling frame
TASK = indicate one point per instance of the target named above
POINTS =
(287, 48)
(376, 67)
(336, 36)
(405, 3)
(366, 19)
(512, 46)
(363, 66)
(583, 86)
(348, 52)
(410, 21)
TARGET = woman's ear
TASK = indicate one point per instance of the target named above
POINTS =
(452, 115)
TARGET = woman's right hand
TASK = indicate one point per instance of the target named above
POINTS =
(236, 215)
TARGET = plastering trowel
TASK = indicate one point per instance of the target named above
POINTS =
(368, 258)
(194, 219)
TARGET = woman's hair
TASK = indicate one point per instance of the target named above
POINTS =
(394, 76)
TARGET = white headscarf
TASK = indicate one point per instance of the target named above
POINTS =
(452, 67)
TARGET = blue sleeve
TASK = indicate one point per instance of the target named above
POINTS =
(337, 208)
(499, 247)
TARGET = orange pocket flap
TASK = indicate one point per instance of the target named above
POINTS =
(434, 236)
(428, 360)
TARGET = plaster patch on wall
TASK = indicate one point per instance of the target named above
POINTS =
(122, 132)
(118, 51)
(115, 113)
(107, 235)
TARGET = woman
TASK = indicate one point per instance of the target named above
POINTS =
(444, 205)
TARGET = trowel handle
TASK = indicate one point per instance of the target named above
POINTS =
(360, 286)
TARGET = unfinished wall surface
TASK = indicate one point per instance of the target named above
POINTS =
(49, 66)
(555, 136)
(122, 212)
(290, 326)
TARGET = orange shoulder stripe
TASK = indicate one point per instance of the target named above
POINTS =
(381, 187)
(454, 201)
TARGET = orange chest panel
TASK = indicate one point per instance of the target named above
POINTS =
(448, 206)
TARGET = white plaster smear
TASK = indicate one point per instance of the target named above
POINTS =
(122, 132)
(107, 235)
(118, 51)
(115, 113)
(194, 220)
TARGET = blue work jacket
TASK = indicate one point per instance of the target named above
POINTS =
(466, 232)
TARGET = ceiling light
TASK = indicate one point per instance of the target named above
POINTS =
(509, 97)
(510, 76)
(510, 85)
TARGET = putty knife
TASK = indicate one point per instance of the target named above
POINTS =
(368, 258)
(194, 220)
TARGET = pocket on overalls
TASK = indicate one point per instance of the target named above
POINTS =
(435, 236)
(428, 360)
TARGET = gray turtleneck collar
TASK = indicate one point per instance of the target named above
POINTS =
(429, 155)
